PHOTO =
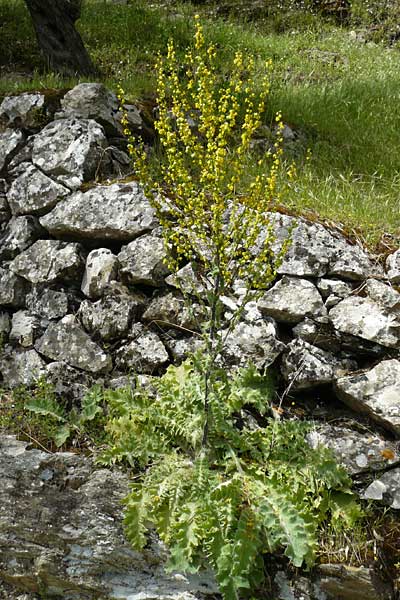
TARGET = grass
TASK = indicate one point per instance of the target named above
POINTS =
(341, 95)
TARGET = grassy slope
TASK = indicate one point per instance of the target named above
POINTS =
(343, 95)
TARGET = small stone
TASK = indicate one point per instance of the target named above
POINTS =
(375, 392)
(291, 299)
(5, 212)
(393, 267)
(12, 289)
(171, 309)
(26, 111)
(142, 261)
(181, 349)
(44, 302)
(386, 489)
(101, 269)
(318, 333)
(144, 354)
(67, 341)
(32, 192)
(18, 235)
(49, 261)
(118, 212)
(255, 343)
(10, 141)
(5, 327)
(69, 383)
(186, 280)
(339, 288)
(21, 367)
(110, 317)
(25, 328)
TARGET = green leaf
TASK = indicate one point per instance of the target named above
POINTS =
(62, 434)
(46, 406)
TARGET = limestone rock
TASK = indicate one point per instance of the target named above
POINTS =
(144, 354)
(48, 303)
(10, 141)
(66, 341)
(25, 111)
(316, 252)
(12, 289)
(375, 392)
(69, 384)
(5, 212)
(95, 101)
(351, 583)
(49, 261)
(33, 192)
(255, 343)
(291, 299)
(101, 268)
(357, 452)
(339, 288)
(71, 150)
(18, 235)
(5, 326)
(110, 317)
(115, 212)
(25, 328)
(186, 280)
(170, 308)
(142, 261)
(62, 534)
(304, 366)
(180, 349)
(386, 489)
(21, 368)
(318, 333)
(366, 319)
(393, 267)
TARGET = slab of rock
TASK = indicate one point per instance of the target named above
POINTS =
(33, 192)
(49, 261)
(318, 333)
(110, 317)
(25, 111)
(92, 101)
(69, 384)
(66, 341)
(181, 349)
(304, 366)
(375, 392)
(21, 368)
(385, 489)
(393, 267)
(141, 261)
(118, 212)
(316, 252)
(48, 303)
(10, 141)
(18, 235)
(339, 581)
(12, 289)
(61, 533)
(364, 318)
(186, 280)
(101, 269)
(292, 299)
(144, 354)
(25, 328)
(357, 452)
(337, 287)
(255, 343)
(70, 150)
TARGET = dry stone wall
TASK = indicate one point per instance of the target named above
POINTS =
(85, 297)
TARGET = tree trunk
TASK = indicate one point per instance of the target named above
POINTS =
(54, 22)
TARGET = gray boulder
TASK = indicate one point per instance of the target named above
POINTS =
(316, 252)
(66, 341)
(61, 533)
(101, 269)
(328, 287)
(385, 489)
(375, 392)
(118, 212)
(357, 452)
(49, 261)
(393, 267)
(12, 289)
(18, 235)
(182, 348)
(144, 354)
(304, 366)
(141, 261)
(10, 142)
(95, 101)
(48, 303)
(318, 333)
(68, 383)
(345, 582)
(168, 309)
(25, 328)
(70, 150)
(33, 192)
(21, 367)
(110, 317)
(292, 299)
(25, 111)
(255, 343)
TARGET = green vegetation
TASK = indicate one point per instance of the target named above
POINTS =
(340, 93)
(253, 490)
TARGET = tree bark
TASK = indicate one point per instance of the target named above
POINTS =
(61, 44)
